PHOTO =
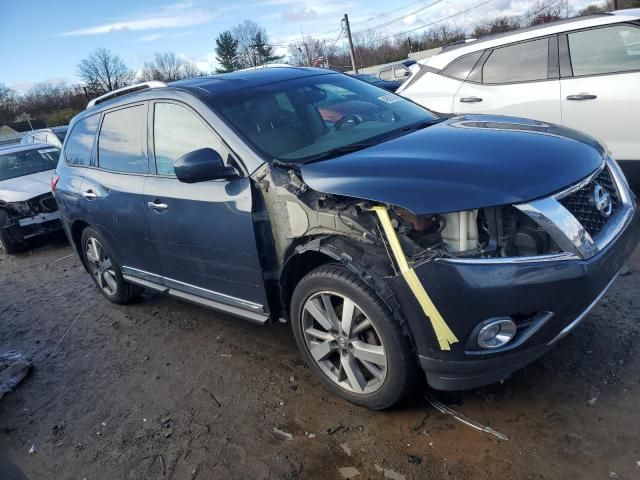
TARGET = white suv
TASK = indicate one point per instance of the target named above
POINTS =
(583, 73)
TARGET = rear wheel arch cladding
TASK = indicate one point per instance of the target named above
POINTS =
(76, 236)
(344, 251)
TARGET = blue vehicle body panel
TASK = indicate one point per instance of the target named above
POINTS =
(462, 163)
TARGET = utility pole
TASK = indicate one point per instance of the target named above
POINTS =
(351, 50)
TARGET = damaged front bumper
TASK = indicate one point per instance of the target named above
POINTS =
(546, 298)
(37, 216)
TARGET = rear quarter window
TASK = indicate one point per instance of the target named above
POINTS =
(80, 144)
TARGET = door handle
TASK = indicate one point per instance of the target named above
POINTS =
(470, 99)
(582, 96)
(89, 194)
(157, 205)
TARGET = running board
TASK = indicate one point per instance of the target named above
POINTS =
(255, 317)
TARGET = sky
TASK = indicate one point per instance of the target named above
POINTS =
(45, 41)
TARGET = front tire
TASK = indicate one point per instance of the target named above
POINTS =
(350, 339)
(105, 271)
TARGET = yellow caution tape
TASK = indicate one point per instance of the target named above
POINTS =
(443, 332)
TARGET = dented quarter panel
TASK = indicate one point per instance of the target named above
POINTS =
(462, 163)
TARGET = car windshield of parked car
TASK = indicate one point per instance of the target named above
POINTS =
(317, 117)
(26, 162)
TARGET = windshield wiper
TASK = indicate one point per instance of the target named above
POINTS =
(334, 152)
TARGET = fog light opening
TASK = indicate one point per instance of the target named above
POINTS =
(497, 333)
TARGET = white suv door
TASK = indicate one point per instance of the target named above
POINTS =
(519, 80)
(600, 88)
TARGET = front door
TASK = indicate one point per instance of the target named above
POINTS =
(514, 80)
(202, 232)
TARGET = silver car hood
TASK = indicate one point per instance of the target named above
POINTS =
(23, 188)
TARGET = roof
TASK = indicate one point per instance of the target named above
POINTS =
(229, 82)
(59, 128)
(22, 147)
(454, 51)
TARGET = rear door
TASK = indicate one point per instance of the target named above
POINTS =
(601, 86)
(520, 80)
(203, 232)
(113, 188)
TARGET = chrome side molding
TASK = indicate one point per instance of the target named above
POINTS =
(208, 298)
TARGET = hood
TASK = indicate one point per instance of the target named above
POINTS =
(462, 163)
(23, 188)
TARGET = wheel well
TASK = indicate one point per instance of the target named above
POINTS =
(294, 269)
(76, 233)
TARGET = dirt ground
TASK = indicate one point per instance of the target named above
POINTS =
(167, 390)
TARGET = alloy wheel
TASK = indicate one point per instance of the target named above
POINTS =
(344, 343)
(101, 266)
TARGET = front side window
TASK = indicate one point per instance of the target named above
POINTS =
(605, 50)
(26, 162)
(121, 140)
(461, 67)
(78, 148)
(324, 115)
(523, 62)
(176, 132)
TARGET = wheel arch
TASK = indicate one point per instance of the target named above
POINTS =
(343, 251)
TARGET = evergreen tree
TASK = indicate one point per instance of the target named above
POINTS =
(226, 52)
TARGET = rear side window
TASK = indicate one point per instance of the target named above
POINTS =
(78, 148)
(461, 68)
(176, 132)
(605, 50)
(121, 140)
(523, 62)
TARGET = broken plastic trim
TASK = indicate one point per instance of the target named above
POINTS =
(443, 333)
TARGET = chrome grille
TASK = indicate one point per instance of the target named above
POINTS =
(582, 206)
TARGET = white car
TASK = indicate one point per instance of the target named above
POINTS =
(52, 136)
(27, 206)
(583, 73)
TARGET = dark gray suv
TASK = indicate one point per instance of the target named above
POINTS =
(392, 240)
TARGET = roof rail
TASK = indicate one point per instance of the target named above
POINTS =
(125, 90)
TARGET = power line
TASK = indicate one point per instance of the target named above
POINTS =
(378, 17)
(382, 25)
(430, 23)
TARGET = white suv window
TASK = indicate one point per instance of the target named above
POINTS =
(522, 62)
(605, 50)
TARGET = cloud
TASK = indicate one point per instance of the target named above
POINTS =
(171, 16)
(302, 14)
(151, 37)
(24, 86)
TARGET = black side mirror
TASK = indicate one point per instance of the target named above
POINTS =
(202, 165)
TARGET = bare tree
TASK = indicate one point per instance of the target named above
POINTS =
(167, 67)
(254, 47)
(8, 104)
(103, 72)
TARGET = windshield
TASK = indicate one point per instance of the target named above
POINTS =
(26, 162)
(306, 118)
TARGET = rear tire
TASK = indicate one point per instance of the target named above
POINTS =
(105, 271)
(6, 242)
(361, 356)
